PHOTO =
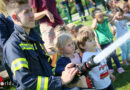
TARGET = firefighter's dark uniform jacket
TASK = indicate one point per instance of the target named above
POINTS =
(27, 63)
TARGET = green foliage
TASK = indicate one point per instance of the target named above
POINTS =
(73, 10)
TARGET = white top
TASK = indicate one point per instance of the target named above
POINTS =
(98, 71)
(121, 27)
(128, 14)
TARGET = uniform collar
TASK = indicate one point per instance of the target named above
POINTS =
(24, 36)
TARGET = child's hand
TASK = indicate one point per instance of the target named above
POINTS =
(94, 26)
(112, 77)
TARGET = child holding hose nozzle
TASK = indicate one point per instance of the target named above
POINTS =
(99, 73)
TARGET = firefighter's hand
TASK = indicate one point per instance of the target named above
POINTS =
(68, 74)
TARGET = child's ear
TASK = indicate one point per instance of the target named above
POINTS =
(14, 16)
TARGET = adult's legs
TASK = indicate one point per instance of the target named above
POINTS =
(81, 12)
(68, 8)
(48, 36)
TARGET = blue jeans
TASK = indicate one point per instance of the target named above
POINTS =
(113, 55)
(80, 10)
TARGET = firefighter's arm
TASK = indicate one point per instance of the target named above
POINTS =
(18, 64)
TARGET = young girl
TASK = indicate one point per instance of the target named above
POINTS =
(100, 73)
(104, 38)
(66, 48)
(120, 22)
(124, 6)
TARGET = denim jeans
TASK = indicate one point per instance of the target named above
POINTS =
(113, 55)
(81, 12)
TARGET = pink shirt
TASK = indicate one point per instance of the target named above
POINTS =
(50, 5)
(76, 59)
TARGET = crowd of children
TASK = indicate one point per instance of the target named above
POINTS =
(92, 40)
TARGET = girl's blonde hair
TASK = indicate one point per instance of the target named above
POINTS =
(3, 9)
(61, 40)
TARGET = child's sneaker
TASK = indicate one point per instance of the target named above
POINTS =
(120, 70)
(111, 71)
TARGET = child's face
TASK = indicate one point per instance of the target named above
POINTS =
(99, 16)
(90, 45)
(114, 2)
(69, 48)
(119, 15)
(124, 8)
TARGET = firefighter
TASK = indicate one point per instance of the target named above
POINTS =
(24, 58)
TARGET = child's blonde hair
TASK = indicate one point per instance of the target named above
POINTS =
(61, 40)
(3, 9)
(61, 29)
(71, 26)
(84, 34)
